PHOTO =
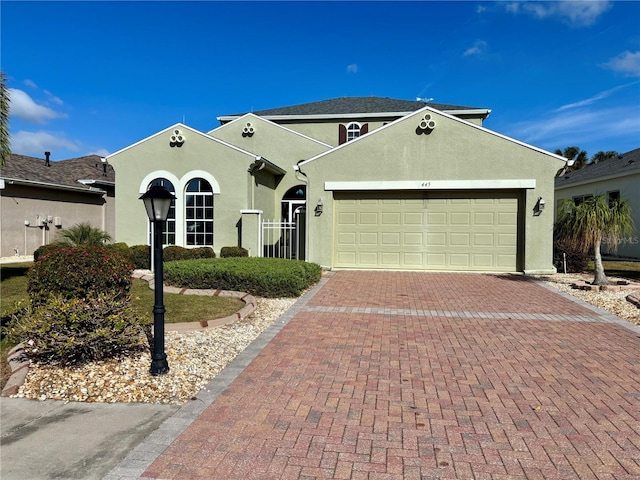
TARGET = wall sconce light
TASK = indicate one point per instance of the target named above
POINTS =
(318, 209)
(540, 204)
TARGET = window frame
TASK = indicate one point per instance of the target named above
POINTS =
(199, 214)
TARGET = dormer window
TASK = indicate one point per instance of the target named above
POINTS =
(351, 131)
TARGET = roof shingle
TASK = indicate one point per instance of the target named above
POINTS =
(62, 173)
(626, 163)
(347, 105)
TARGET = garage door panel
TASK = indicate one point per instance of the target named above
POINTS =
(346, 238)
(427, 230)
(368, 238)
(391, 218)
(390, 238)
(410, 239)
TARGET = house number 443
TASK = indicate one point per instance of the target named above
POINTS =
(425, 184)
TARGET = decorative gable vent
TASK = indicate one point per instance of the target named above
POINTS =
(427, 123)
(248, 130)
(177, 138)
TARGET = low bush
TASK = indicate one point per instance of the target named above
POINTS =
(73, 331)
(203, 252)
(121, 248)
(140, 256)
(76, 272)
(576, 260)
(174, 252)
(265, 277)
(46, 249)
(227, 252)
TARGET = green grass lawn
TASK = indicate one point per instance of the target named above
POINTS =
(628, 270)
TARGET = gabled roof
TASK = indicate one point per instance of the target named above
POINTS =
(82, 173)
(357, 106)
(625, 164)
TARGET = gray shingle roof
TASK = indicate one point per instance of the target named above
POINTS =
(64, 173)
(346, 105)
(624, 164)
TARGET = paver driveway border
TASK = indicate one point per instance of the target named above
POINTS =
(141, 457)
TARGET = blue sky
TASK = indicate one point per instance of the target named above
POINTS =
(95, 77)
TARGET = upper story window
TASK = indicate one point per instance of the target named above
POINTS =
(199, 213)
(581, 198)
(613, 196)
(169, 228)
(351, 131)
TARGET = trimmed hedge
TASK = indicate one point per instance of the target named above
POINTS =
(76, 272)
(228, 252)
(46, 249)
(264, 277)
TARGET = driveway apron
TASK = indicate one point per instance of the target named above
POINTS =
(389, 375)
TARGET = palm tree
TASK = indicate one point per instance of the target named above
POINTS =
(579, 157)
(602, 156)
(84, 234)
(5, 150)
(585, 225)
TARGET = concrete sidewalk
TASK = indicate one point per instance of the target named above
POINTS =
(71, 440)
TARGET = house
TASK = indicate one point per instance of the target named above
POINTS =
(370, 183)
(618, 178)
(39, 197)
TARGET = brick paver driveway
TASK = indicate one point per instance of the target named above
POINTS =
(386, 375)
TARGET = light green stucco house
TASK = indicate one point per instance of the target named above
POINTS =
(373, 183)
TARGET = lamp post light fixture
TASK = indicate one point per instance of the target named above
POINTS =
(157, 201)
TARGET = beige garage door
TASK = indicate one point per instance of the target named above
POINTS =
(466, 231)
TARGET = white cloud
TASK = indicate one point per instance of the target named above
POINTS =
(575, 12)
(479, 47)
(627, 63)
(52, 98)
(23, 107)
(598, 96)
(353, 68)
(35, 143)
(30, 83)
(102, 152)
(579, 127)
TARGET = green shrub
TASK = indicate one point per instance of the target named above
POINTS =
(76, 272)
(121, 248)
(227, 252)
(173, 252)
(140, 256)
(577, 261)
(265, 277)
(46, 249)
(203, 252)
(73, 331)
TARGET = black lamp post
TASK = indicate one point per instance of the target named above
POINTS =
(157, 201)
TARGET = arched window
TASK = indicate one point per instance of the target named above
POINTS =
(199, 213)
(292, 200)
(353, 131)
(169, 229)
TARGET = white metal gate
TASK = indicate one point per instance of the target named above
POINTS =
(283, 239)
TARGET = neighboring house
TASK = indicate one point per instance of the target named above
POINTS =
(618, 178)
(387, 184)
(39, 197)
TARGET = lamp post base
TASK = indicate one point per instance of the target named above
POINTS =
(159, 366)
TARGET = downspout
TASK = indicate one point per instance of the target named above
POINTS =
(305, 180)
